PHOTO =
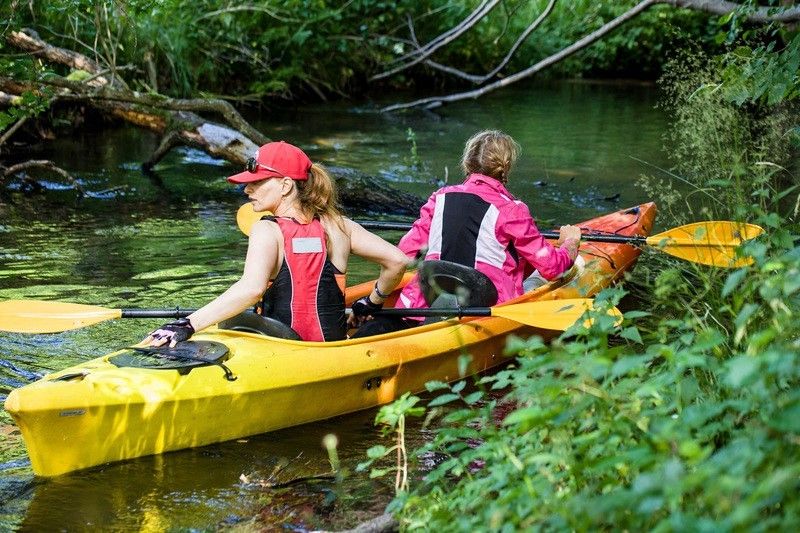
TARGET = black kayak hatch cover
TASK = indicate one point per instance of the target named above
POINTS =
(183, 357)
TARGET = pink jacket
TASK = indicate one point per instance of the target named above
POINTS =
(488, 229)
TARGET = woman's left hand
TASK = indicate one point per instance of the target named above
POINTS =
(362, 310)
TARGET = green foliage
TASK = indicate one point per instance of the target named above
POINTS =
(762, 74)
(697, 428)
(392, 419)
(411, 137)
(27, 105)
(293, 48)
(729, 159)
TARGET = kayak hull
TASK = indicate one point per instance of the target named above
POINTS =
(95, 412)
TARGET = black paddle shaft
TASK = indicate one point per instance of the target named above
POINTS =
(622, 239)
(157, 313)
(425, 311)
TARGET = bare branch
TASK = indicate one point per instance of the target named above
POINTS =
(31, 43)
(435, 101)
(718, 7)
(10, 131)
(443, 39)
(234, 9)
(530, 29)
(722, 7)
(477, 12)
(486, 77)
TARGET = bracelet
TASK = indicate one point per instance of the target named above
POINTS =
(379, 293)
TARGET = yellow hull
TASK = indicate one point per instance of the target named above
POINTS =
(103, 413)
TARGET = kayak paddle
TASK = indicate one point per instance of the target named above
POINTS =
(712, 242)
(555, 315)
(37, 316)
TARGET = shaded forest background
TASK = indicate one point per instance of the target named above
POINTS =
(307, 50)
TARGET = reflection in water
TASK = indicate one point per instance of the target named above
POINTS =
(201, 488)
(143, 242)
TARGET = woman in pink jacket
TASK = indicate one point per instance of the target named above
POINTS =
(481, 225)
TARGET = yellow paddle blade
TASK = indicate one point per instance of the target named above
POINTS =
(555, 315)
(246, 217)
(711, 243)
(35, 316)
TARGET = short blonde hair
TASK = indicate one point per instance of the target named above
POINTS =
(491, 153)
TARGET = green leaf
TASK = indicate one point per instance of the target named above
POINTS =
(443, 399)
(787, 419)
(432, 386)
(379, 472)
(377, 452)
(528, 415)
(733, 281)
(741, 370)
(474, 397)
(631, 333)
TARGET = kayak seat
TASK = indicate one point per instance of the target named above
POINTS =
(446, 284)
(251, 322)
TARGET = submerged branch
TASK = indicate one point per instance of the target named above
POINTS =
(43, 164)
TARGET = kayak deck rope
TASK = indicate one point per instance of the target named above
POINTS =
(157, 353)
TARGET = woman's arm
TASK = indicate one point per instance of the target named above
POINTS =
(373, 248)
(262, 258)
(549, 260)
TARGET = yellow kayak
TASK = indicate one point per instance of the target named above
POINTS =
(98, 412)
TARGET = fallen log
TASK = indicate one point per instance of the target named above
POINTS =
(179, 122)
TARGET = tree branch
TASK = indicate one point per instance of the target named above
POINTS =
(444, 39)
(28, 40)
(435, 101)
(722, 7)
(718, 7)
(486, 77)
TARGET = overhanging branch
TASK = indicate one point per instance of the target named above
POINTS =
(717, 7)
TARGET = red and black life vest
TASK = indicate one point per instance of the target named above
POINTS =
(308, 292)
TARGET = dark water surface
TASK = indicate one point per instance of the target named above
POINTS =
(171, 239)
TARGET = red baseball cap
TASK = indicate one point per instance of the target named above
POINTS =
(275, 160)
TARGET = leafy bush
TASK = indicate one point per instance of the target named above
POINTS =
(695, 427)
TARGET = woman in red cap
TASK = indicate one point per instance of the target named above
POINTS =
(297, 256)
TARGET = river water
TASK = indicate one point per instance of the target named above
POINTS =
(171, 239)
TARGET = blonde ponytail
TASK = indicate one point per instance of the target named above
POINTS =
(491, 153)
(318, 195)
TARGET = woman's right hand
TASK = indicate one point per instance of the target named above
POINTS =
(172, 333)
(569, 232)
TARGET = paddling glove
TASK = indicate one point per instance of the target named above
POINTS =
(364, 307)
(181, 330)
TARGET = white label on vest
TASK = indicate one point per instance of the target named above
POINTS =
(306, 245)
